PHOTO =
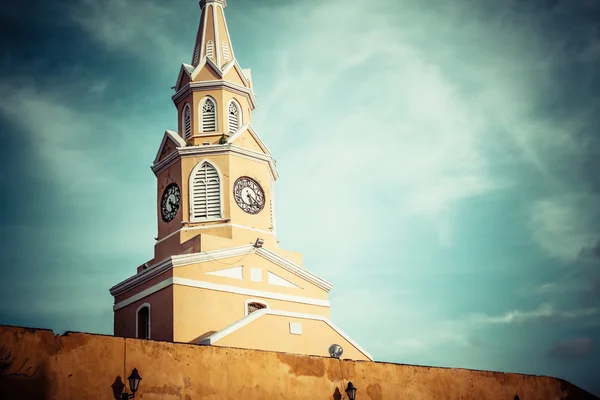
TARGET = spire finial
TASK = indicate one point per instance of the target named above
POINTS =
(203, 3)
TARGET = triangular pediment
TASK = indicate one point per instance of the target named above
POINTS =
(206, 71)
(185, 76)
(232, 72)
(274, 279)
(170, 142)
(247, 138)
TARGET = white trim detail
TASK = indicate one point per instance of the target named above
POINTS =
(194, 195)
(221, 149)
(215, 337)
(216, 28)
(137, 313)
(202, 227)
(202, 119)
(250, 292)
(175, 138)
(197, 258)
(254, 301)
(233, 273)
(276, 280)
(250, 129)
(186, 121)
(235, 119)
(213, 84)
(144, 293)
(221, 288)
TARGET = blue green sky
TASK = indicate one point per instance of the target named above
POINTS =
(439, 162)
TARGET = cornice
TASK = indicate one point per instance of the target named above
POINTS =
(215, 84)
(219, 149)
(196, 258)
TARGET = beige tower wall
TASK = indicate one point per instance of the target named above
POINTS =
(83, 366)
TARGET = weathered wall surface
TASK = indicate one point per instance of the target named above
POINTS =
(83, 366)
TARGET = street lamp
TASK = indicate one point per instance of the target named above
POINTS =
(134, 381)
(351, 391)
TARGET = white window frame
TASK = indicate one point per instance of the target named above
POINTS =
(201, 114)
(137, 316)
(212, 53)
(183, 131)
(240, 116)
(191, 193)
(254, 301)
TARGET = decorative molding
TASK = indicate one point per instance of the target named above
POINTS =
(175, 138)
(213, 84)
(276, 280)
(144, 293)
(215, 337)
(213, 150)
(250, 292)
(221, 288)
(248, 127)
(202, 227)
(233, 273)
(197, 258)
(295, 269)
(137, 313)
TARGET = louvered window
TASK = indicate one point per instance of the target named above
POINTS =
(205, 193)
(187, 121)
(233, 117)
(210, 50)
(209, 116)
(226, 54)
(196, 55)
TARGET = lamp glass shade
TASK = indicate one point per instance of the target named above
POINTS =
(134, 380)
(351, 391)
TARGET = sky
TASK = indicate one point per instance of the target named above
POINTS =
(439, 163)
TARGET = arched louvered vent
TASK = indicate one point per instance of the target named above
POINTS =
(210, 50)
(233, 117)
(187, 121)
(209, 116)
(205, 193)
(196, 56)
(226, 55)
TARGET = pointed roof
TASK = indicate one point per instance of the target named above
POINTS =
(213, 41)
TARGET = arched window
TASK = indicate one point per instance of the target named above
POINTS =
(187, 121)
(205, 193)
(209, 115)
(226, 55)
(254, 305)
(210, 50)
(234, 116)
(143, 322)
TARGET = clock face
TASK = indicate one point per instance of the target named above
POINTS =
(248, 195)
(171, 199)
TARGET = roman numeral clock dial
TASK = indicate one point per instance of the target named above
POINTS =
(171, 199)
(248, 195)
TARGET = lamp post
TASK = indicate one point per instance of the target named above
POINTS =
(351, 391)
(134, 382)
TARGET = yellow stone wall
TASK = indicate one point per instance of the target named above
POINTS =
(83, 366)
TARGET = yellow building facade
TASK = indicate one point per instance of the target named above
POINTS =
(218, 276)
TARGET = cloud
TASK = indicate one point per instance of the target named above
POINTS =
(591, 252)
(572, 348)
(546, 312)
(562, 224)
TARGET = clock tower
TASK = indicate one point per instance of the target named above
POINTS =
(218, 276)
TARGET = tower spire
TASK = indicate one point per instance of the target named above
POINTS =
(212, 40)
